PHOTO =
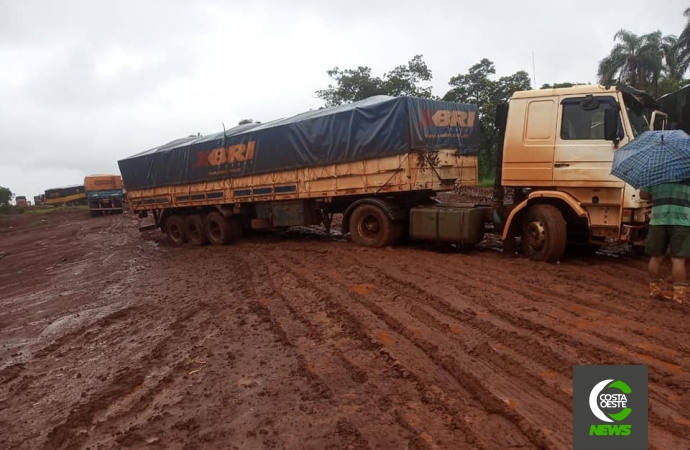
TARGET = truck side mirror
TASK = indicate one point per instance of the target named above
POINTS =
(611, 124)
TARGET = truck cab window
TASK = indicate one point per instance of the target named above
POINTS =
(584, 123)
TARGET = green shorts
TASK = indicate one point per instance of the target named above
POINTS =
(661, 237)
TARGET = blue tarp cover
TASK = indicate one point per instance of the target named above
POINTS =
(371, 128)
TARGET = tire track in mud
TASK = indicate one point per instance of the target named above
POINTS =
(412, 283)
(99, 334)
(276, 310)
(536, 324)
(353, 328)
(161, 368)
(460, 384)
(327, 345)
(131, 390)
(66, 435)
(472, 382)
(625, 298)
(167, 364)
(654, 354)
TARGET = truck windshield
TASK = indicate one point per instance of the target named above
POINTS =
(635, 112)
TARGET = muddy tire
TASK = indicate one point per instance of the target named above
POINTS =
(174, 229)
(544, 234)
(218, 229)
(194, 230)
(371, 227)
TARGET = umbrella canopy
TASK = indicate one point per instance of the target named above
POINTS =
(654, 157)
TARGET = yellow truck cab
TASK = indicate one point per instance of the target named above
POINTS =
(557, 151)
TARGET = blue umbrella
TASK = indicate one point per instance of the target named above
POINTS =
(654, 157)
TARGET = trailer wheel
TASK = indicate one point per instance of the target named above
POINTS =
(174, 228)
(218, 229)
(194, 230)
(371, 227)
(544, 234)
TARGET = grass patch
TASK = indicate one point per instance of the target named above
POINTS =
(48, 210)
(486, 182)
(38, 210)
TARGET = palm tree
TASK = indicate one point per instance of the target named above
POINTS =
(683, 46)
(636, 60)
(670, 49)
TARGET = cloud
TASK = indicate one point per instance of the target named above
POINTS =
(86, 83)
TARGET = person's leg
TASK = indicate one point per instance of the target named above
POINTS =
(678, 274)
(654, 267)
(680, 250)
(656, 246)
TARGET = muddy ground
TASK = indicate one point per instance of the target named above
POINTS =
(113, 339)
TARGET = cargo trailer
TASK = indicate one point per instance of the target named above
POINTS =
(104, 194)
(66, 195)
(380, 163)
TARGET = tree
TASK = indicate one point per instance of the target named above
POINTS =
(683, 46)
(566, 84)
(352, 85)
(636, 60)
(476, 87)
(6, 196)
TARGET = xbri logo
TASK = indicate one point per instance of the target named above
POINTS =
(610, 407)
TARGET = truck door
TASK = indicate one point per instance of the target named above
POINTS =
(529, 142)
(582, 157)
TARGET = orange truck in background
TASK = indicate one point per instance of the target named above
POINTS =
(104, 194)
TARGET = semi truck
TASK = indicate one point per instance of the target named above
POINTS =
(66, 195)
(39, 200)
(20, 200)
(104, 194)
(382, 161)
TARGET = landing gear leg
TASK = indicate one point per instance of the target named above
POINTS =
(327, 218)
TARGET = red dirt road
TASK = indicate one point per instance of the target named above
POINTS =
(114, 339)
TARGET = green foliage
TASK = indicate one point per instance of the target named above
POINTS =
(683, 45)
(636, 60)
(652, 62)
(566, 84)
(6, 196)
(352, 85)
(486, 182)
(476, 87)
(668, 85)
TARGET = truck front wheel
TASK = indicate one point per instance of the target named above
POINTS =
(544, 233)
(218, 229)
(174, 228)
(371, 227)
(194, 230)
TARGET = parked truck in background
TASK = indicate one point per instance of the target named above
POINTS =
(104, 194)
(381, 161)
(67, 195)
(20, 200)
(39, 200)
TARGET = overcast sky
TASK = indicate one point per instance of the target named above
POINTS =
(85, 83)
